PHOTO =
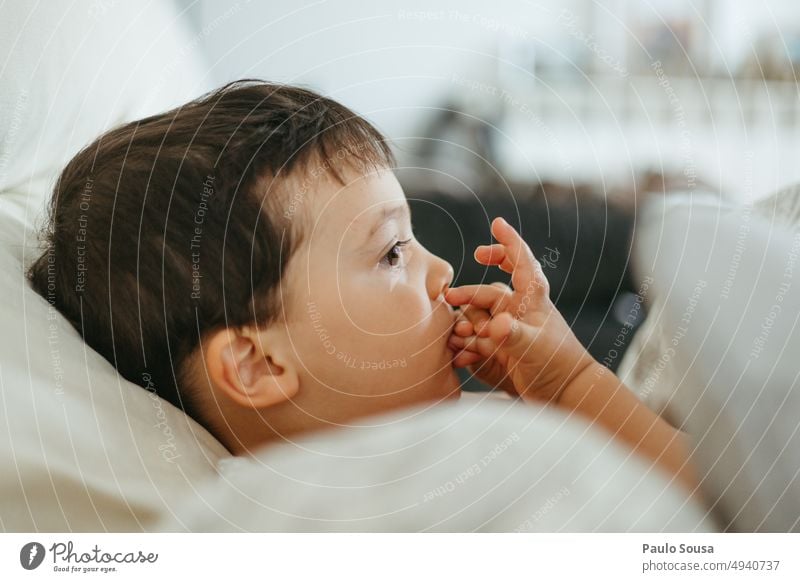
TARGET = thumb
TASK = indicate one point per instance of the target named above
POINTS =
(513, 336)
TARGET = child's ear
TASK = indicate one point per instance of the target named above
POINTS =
(241, 368)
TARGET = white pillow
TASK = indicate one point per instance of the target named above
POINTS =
(725, 282)
(485, 466)
(82, 449)
(647, 367)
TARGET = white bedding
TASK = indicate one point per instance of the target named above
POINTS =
(718, 353)
(478, 465)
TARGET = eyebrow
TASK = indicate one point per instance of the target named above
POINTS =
(399, 211)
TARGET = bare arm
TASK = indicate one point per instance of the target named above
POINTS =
(600, 396)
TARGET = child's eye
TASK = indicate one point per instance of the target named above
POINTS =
(394, 258)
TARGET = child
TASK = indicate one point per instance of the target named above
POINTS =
(250, 256)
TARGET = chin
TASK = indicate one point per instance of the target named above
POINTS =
(445, 388)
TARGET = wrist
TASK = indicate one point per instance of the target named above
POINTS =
(577, 382)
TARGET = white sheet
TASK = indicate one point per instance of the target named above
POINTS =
(473, 466)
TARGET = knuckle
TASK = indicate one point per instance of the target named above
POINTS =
(498, 305)
(474, 316)
(544, 285)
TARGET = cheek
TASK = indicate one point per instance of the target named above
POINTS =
(391, 349)
(380, 310)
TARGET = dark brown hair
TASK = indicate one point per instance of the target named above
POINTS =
(182, 223)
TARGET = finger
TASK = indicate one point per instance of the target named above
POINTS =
(463, 327)
(457, 343)
(512, 336)
(526, 270)
(486, 347)
(480, 325)
(464, 359)
(494, 254)
(489, 297)
(484, 331)
(477, 317)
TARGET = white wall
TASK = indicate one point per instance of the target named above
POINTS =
(394, 61)
(386, 59)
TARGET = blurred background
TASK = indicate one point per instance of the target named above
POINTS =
(558, 115)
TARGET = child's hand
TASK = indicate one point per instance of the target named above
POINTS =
(479, 354)
(517, 335)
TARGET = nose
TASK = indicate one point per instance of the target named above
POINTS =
(440, 276)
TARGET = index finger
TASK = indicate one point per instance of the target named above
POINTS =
(493, 298)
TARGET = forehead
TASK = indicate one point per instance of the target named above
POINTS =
(354, 207)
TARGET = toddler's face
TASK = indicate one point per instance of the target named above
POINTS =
(367, 319)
